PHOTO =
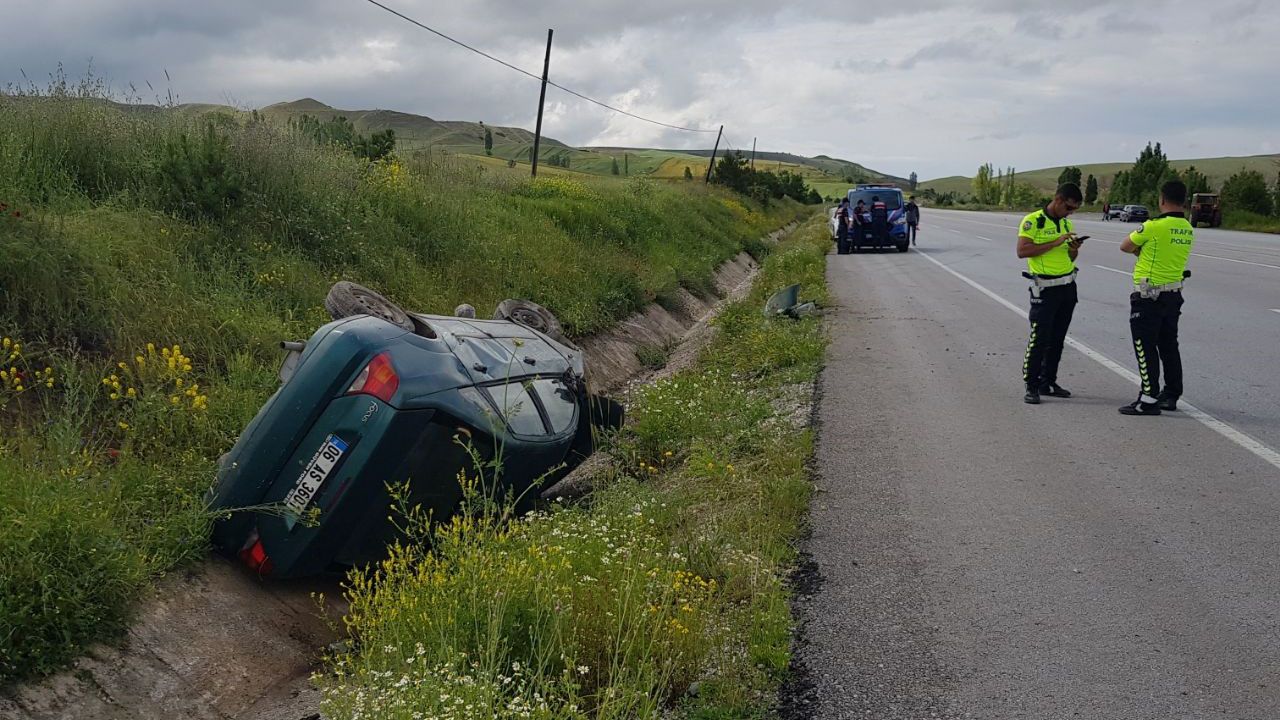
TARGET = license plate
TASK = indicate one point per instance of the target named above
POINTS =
(322, 463)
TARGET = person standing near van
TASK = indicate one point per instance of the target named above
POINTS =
(911, 211)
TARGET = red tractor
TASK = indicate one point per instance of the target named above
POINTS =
(1205, 208)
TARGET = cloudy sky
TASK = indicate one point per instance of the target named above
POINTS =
(915, 85)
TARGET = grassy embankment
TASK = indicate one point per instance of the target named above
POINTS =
(664, 593)
(152, 261)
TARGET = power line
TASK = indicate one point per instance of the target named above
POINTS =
(522, 71)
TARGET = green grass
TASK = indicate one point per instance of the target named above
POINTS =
(1253, 222)
(671, 576)
(127, 232)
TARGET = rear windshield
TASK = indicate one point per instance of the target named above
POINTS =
(891, 198)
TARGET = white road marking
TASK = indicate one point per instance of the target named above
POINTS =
(1274, 310)
(1242, 262)
(1257, 448)
(1103, 267)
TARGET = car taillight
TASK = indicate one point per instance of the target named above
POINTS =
(254, 555)
(378, 379)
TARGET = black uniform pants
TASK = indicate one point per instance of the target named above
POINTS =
(1050, 318)
(1154, 325)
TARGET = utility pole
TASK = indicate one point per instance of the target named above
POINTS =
(542, 99)
(753, 154)
(713, 154)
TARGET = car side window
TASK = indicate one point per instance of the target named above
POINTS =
(560, 403)
(515, 404)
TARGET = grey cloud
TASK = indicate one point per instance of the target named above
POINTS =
(947, 86)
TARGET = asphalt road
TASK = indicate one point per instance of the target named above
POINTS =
(977, 557)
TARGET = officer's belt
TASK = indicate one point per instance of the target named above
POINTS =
(1149, 291)
(1039, 283)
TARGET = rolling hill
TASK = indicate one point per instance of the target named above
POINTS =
(1045, 179)
(467, 138)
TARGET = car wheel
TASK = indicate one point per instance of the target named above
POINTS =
(347, 298)
(904, 247)
(532, 315)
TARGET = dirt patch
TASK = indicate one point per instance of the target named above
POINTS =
(215, 643)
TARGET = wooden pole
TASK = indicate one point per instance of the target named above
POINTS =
(542, 99)
(713, 154)
(753, 153)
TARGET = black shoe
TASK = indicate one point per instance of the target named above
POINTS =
(1167, 403)
(1032, 397)
(1054, 390)
(1137, 407)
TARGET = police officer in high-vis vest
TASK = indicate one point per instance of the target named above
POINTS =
(1162, 245)
(1046, 240)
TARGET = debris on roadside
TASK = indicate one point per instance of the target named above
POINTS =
(786, 303)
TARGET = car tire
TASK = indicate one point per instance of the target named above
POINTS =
(904, 247)
(532, 315)
(346, 299)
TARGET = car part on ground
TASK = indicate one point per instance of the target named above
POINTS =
(368, 402)
(786, 303)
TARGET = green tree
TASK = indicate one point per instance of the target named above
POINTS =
(488, 141)
(733, 172)
(376, 146)
(1197, 182)
(1247, 190)
(688, 174)
(986, 188)
(1091, 189)
(1118, 193)
(1275, 201)
(197, 177)
(912, 181)
(1069, 174)
(614, 169)
(1144, 178)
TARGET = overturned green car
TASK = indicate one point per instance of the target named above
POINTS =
(382, 396)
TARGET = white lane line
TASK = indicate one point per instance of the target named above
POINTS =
(1103, 267)
(1242, 262)
(1257, 448)
(1274, 310)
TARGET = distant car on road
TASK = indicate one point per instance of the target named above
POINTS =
(1113, 211)
(1134, 213)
